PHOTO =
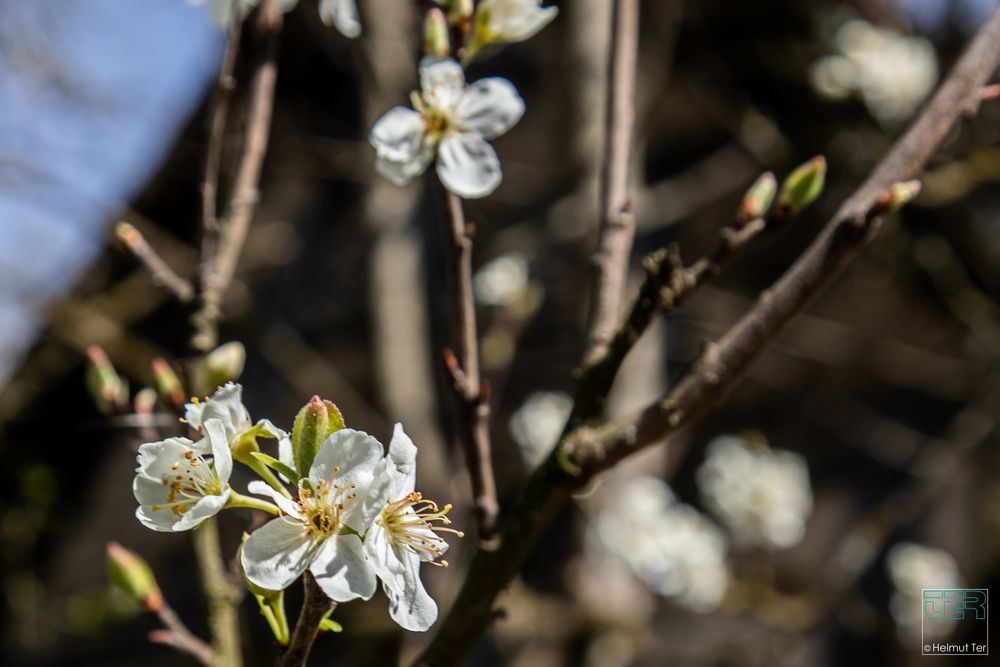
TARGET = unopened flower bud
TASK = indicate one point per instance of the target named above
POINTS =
(897, 196)
(130, 574)
(144, 401)
(436, 40)
(758, 198)
(167, 382)
(803, 186)
(314, 424)
(225, 363)
(108, 391)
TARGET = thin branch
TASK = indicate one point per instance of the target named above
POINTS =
(224, 87)
(315, 607)
(668, 282)
(220, 257)
(587, 451)
(162, 273)
(471, 391)
(617, 221)
(179, 637)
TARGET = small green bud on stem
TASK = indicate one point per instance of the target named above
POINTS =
(803, 186)
(896, 197)
(757, 200)
(130, 574)
(436, 39)
(167, 383)
(314, 424)
(108, 391)
(225, 363)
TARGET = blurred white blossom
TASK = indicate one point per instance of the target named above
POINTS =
(452, 122)
(892, 73)
(502, 280)
(670, 546)
(762, 496)
(536, 425)
(341, 13)
(913, 567)
(511, 20)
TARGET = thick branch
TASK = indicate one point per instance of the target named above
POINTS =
(220, 595)
(179, 637)
(589, 451)
(471, 391)
(222, 254)
(617, 221)
(315, 607)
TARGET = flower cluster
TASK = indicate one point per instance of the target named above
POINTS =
(761, 495)
(354, 516)
(340, 13)
(670, 546)
(451, 122)
(913, 567)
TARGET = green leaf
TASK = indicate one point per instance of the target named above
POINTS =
(329, 625)
(275, 464)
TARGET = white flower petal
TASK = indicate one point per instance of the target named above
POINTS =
(468, 166)
(226, 404)
(403, 455)
(265, 429)
(342, 571)
(206, 507)
(285, 454)
(442, 81)
(287, 505)
(402, 173)
(343, 14)
(414, 609)
(192, 415)
(516, 20)
(162, 520)
(398, 134)
(223, 457)
(490, 107)
(347, 456)
(156, 458)
(277, 553)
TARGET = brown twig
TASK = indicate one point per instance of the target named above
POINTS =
(587, 451)
(179, 637)
(220, 594)
(315, 607)
(163, 274)
(471, 391)
(668, 282)
(617, 220)
(222, 248)
(224, 87)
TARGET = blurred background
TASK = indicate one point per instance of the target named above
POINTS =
(879, 404)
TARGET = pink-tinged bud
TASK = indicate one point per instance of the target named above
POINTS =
(130, 574)
(167, 382)
(108, 391)
(757, 199)
(314, 424)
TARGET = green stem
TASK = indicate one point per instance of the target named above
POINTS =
(265, 474)
(239, 500)
(219, 593)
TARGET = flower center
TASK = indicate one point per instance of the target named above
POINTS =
(323, 505)
(191, 480)
(414, 523)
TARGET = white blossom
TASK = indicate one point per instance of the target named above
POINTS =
(670, 546)
(340, 13)
(226, 405)
(322, 529)
(762, 496)
(404, 535)
(502, 280)
(178, 485)
(913, 567)
(452, 122)
(892, 73)
(511, 20)
(537, 424)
